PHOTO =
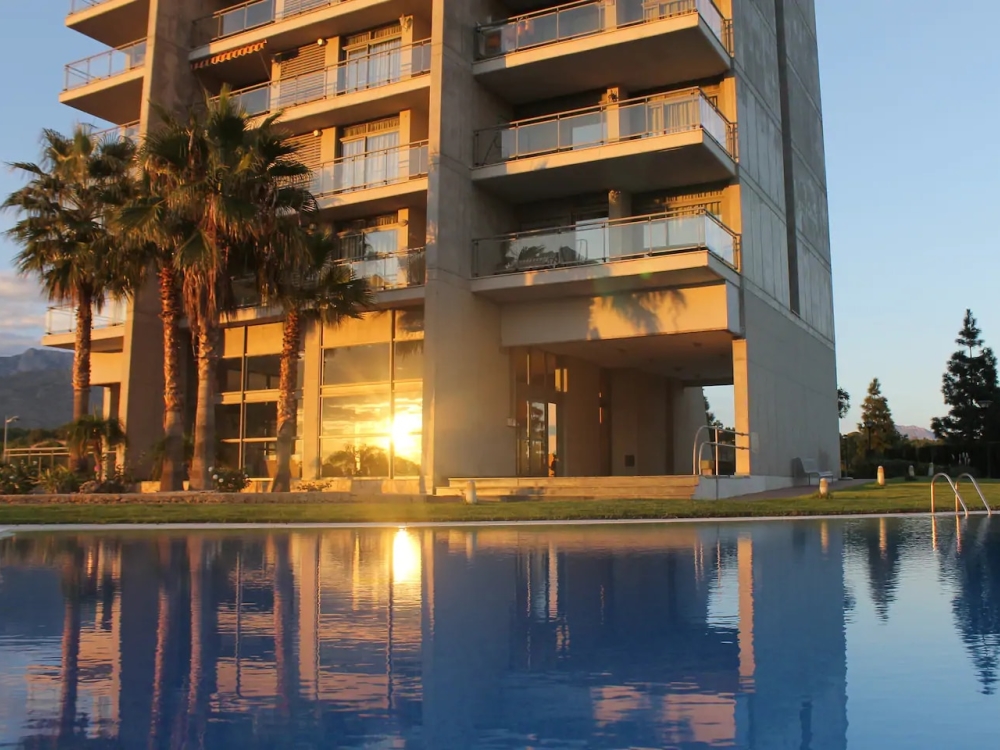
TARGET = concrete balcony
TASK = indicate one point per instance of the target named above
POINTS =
(364, 88)
(107, 331)
(635, 145)
(373, 182)
(111, 22)
(594, 44)
(646, 252)
(287, 24)
(108, 85)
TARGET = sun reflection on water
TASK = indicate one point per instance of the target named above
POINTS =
(405, 557)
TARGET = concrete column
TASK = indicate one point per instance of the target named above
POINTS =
(312, 373)
(741, 398)
(466, 376)
(168, 83)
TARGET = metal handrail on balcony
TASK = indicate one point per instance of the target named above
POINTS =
(606, 241)
(61, 319)
(406, 268)
(627, 120)
(586, 17)
(105, 64)
(357, 74)
(129, 131)
(78, 6)
(251, 15)
(371, 169)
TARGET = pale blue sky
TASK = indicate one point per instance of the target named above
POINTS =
(909, 98)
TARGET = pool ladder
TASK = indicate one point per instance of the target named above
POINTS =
(958, 497)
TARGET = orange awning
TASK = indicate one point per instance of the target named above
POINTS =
(247, 49)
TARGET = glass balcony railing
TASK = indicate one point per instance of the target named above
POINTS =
(78, 6)
(391, 270)
(129, 131)
(250, 15)
(371, 169)
(357, 74)
(628, 120)
(107, 64)
(586, 17)
(606, 241)
(61, 319)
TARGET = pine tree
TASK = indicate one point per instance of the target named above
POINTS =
(877, 427)
(970, 388)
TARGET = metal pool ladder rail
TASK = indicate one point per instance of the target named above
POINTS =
(958, 497)
(979, 491)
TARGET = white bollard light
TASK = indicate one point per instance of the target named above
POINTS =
(913, 472)
(881, 476)
(470, 493)
(824, 487)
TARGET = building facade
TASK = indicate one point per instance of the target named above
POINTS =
(576, 216)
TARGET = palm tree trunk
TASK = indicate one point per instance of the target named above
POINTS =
(172, 468)
(81, 367)
(204, 420)
(287, 406)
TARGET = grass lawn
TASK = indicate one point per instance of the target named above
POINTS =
(898, 497)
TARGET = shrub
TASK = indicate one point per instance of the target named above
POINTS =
(229, 480)
(17, 479)
(118, 481)
(58, 481)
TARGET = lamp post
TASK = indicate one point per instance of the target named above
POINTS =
(7, 421)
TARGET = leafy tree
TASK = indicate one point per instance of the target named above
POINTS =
(843, 402)
(230, 193)
(64, 233)
(314, 286)
(970, 388)
(877, 424)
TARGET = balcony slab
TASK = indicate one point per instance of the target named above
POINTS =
(684, 48)
(113, 22)
(638, 165)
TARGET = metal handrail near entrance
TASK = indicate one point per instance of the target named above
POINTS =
(699, 445)
(958, 497)
(979, 491)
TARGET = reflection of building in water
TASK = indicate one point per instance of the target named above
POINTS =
(792, 638)
(441, 639)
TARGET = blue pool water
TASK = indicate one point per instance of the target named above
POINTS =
(811, 635)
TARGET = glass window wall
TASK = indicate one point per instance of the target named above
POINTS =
(372, 398)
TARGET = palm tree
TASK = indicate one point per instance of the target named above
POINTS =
(317, 287)
(64, 231)
(99, 435)
(222, 194)
(151, 231)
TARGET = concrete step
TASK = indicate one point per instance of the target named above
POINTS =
(602, 488)
(594, 483)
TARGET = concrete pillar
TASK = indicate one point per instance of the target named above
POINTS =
(312, 372)
(467, 381)
(169, 84)
(741, 398)
(622, 240)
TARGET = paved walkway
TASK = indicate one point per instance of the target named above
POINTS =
(803, 490)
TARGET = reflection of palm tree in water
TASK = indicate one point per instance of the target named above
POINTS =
(883, 544)
(976, 607)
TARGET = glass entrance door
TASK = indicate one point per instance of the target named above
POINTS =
(539, 439)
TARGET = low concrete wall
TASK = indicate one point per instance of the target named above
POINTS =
(218, 498)
(721, 488)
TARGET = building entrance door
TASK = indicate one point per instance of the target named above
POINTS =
(539, 446)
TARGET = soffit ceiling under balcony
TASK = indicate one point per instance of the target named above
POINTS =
(114, 22)
(636, 58)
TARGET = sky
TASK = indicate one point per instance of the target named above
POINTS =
(909, 98)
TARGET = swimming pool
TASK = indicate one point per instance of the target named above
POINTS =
(871, 633)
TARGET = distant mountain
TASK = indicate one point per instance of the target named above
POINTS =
(36, 386)
(914, 433)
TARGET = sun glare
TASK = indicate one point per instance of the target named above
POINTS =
(405, 557)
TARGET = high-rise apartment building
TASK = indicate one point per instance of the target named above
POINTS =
(576, 217)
